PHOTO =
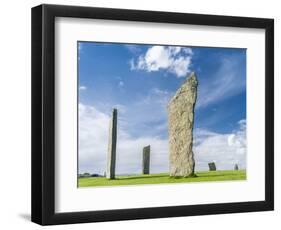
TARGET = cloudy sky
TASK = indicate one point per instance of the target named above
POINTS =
(139, 80)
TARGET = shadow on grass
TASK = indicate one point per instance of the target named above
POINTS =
(184, 177)
(176, 177)
(218, 175)
(156, 176)
(139, 177)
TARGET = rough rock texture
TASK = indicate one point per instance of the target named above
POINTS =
(180, 119)
(212, 166)
(111, 154)
(146, 159)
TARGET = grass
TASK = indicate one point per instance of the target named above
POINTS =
(224, 175)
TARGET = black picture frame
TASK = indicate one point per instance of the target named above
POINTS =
(43, 114)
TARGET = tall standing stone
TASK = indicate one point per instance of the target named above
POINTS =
(146, 159)
(181, 119)
(111, 154)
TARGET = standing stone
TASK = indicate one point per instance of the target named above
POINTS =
(111, 154)
(212, 166)
(146, 159)
(180, 119)
(236, 167)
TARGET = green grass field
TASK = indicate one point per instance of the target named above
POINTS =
(163, 178)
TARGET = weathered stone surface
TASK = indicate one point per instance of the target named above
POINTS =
(146, 159)
(181, 119)
(111, 154)
(236, 167)
(212, 166)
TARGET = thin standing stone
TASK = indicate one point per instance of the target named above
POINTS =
(146, 160)
(236, 167)
(111, 155)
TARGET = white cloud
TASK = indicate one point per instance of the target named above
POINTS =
(187, 51)
(176, 60)
(82, 87)
(93, 141)
(225, 149)
(238, 139)
(93, 135)
(132, 64)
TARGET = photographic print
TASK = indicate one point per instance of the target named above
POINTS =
(165, 105)
(151, 114)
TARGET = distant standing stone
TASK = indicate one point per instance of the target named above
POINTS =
(212, 166)
(236, 167)
(146, 159)
(111, 154)
(181, 119)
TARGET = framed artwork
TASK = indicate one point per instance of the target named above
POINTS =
(142, 114)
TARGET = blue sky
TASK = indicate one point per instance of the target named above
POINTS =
(139, 80)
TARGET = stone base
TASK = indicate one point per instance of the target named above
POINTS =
(179, 177)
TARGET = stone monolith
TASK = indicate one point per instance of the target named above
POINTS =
(212, 166)
(146, 159)
(180, 127)
(111, 154)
